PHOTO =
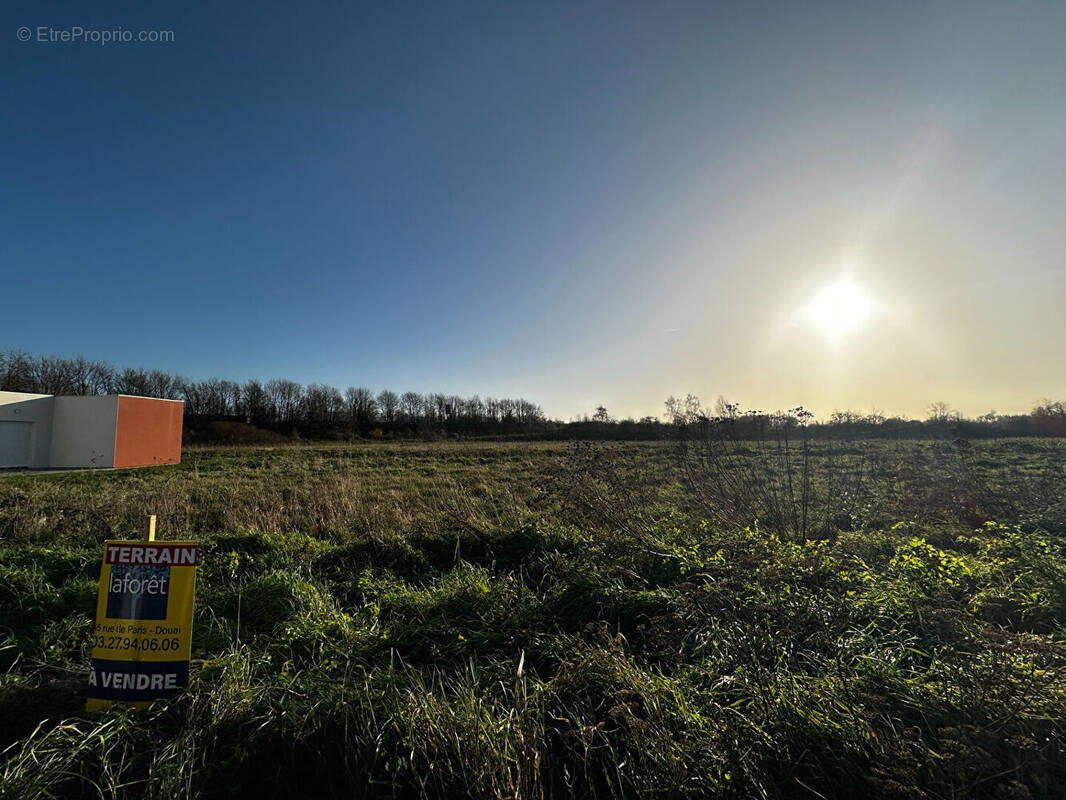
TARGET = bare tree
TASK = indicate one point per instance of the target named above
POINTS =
(940, 412)
(389, 403)
(362, 409)
(287, 398)
(411, 406)
(257, 405)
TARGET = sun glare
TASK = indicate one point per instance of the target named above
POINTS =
(838, 309)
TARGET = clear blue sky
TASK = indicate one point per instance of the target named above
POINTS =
(580, 203)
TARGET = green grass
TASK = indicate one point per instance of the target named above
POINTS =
(525, 621)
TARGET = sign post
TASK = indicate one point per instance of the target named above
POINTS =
(143, 636)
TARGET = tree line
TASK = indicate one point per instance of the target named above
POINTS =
(1047, 418)
(284, 406)
(320, 411)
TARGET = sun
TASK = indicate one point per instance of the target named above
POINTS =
(839, 309)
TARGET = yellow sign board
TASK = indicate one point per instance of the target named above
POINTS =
(143, 637)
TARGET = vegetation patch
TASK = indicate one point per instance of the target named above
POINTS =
(506, 621)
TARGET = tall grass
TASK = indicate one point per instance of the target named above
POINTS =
(324, 491)
(495, 639)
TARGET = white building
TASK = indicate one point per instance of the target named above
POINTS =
(41, 431)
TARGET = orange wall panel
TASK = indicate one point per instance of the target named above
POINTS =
(148, 432)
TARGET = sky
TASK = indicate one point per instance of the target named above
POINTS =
(581, 203)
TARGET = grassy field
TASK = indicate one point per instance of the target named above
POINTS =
(541, 620)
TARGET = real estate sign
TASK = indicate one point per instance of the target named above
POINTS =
(143, 637)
